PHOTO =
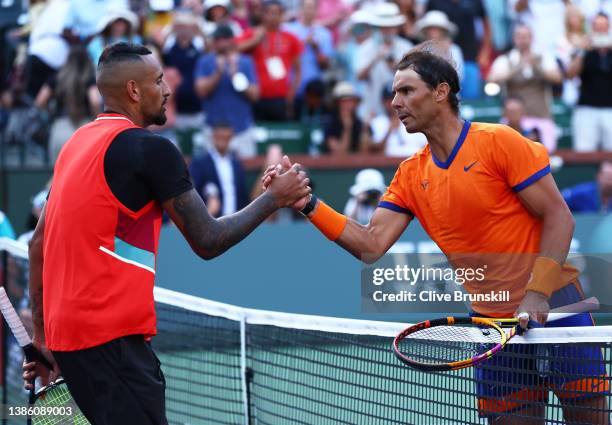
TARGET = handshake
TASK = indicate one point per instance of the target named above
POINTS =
(287, 184)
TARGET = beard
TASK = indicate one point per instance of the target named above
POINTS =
(159, 118)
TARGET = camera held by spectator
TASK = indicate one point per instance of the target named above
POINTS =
(365, 194)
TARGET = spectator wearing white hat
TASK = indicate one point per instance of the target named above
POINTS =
(376, 58)
(365, 195)
(116, 26)
(346, 132)
(435, 26)
(217, 12)
(474, 39)
(83, 19)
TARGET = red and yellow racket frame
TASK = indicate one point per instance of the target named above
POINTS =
(496, 324)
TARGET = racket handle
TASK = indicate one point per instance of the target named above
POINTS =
(584, 306)
(32, 354)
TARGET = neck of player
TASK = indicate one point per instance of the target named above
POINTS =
(443, 135)
(135, 116)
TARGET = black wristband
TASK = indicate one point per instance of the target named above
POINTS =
(310, 206)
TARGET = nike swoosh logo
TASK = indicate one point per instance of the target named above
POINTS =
(466, 169)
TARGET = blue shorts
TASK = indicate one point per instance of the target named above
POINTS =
(523, 374)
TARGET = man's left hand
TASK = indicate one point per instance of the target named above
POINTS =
(536, 305)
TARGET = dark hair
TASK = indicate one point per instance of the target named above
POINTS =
(223, 31)
(433, 70)
(315, 87)
(602, 14)
(268, 3)
(122, 52)
(387, 92)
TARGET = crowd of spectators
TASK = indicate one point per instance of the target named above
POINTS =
(234, 65)
(244, 62)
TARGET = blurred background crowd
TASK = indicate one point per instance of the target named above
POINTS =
(313, 77)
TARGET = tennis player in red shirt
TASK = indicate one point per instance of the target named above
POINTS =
(94, 250)
(482, 191)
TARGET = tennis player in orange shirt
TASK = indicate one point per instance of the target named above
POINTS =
(481, 189)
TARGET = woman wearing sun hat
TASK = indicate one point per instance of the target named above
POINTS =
(436, 26)
(346, 132)
(117, 25)
(376, 57)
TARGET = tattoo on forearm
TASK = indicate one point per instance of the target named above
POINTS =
(211, 237)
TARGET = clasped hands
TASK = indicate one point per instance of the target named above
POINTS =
(288, 183)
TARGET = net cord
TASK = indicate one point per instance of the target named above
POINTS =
(331, 324)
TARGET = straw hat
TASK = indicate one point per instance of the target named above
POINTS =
(386, 15)
(436, 19)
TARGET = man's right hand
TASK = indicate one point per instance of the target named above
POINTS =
(34, 369)
(289, 187)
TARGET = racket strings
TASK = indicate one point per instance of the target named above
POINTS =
(58, 396)
(447, 344)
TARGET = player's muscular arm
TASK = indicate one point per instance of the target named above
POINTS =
(35, 254)
(210, 237)
(369, 243)
(544, 201)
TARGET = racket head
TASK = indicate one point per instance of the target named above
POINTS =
(57, 397)
(451, 343)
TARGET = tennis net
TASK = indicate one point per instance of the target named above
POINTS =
(229, 365)
(224, 364)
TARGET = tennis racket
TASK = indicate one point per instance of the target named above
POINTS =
(452, 343)
(53, 403)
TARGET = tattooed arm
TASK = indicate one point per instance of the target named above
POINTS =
(210, 237)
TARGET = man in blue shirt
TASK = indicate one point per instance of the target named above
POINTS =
(225, 82)
(182, 51)
(592, 197)
(318, 42)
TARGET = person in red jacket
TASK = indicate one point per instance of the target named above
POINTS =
(276, 54)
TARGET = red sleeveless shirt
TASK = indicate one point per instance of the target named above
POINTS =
(99, 256)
